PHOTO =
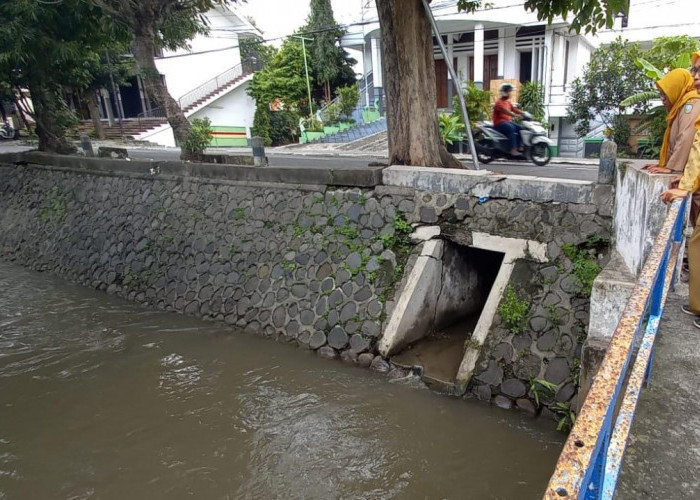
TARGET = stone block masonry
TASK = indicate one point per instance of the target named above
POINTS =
(313, 257)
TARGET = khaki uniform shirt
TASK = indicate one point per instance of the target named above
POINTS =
(682, 133)
(691, 175)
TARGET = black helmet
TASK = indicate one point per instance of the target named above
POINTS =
(505, 88)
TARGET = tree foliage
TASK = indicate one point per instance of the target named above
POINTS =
(665, 51)
(48, 46)
(254, 49)
(588, 15)
(284, 78)
(324, 31)
(608, 79)
(168, 24)
(332, 65)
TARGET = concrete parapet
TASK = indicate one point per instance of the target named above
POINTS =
(330, 176)
(487, 184)
(639, 213)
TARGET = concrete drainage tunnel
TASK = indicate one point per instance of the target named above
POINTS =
(438, 310)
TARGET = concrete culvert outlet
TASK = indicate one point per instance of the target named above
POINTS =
(439, 308)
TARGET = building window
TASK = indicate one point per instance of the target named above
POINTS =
(525, 67)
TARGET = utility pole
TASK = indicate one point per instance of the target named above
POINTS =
(306, 69)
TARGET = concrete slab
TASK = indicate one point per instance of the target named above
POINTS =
(612, 289)
(483, 183)
(413, 316)
(663, 457)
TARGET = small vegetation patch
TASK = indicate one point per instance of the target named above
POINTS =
(541, 389)
(514, 310)
(565, 415)
(584, 261)
(53, 208)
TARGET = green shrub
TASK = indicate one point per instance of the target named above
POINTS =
(283, 127)
(313, 125)
(514, 310)
(200, 136)
(477, 101)
(331, 115)
(261, 124)
(532, 99)
(451, 128)
(621, 132)
(585, 265)
(348, 97)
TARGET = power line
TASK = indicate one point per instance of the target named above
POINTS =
(370, 22)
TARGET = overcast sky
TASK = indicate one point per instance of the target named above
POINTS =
(278, 18)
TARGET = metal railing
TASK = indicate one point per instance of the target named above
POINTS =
(589, 464)
(362, 91)
(210, 86)
(151, 114)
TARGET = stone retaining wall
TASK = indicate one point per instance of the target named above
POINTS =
(310, 263)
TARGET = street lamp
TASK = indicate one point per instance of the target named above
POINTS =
(306, 69)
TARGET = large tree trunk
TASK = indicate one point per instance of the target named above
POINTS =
(144, 51)
(409, 85)
(46, 113)
(88, 97)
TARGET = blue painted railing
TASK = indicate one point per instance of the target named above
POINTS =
(589, 465)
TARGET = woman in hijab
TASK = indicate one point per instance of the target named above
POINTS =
(678, 95)
(689, 182)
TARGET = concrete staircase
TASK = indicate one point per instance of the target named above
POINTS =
(136, 127)
(132, 127)
(355, 133)
(375, 144)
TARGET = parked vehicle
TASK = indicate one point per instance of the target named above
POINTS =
(8, 131)
(491, 144)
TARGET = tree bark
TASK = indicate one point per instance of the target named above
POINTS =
(88, 97)
(409, 85)
(51, 134)
(21, 111)
(144, 51)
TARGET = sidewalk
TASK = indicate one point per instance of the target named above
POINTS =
(662, 460)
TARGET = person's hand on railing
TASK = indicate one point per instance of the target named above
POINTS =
(673, 194)
(654, 168)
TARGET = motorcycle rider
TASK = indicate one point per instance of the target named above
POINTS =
(503, 114)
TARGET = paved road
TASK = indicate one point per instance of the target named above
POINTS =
(553, 170)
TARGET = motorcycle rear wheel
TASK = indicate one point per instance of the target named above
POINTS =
(540, 154)
(483, 149)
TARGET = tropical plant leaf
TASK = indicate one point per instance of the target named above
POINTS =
(640, 98)
(649, 69)
(683, 61)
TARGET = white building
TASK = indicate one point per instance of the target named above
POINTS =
(208, 80)
(503, 41)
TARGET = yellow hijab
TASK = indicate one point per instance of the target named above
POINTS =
(679, 88)
(695, 57)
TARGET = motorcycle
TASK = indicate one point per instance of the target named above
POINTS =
(490, 144)
(8, 131)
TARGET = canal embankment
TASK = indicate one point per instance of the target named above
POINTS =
(324, 258)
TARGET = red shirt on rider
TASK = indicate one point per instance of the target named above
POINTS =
(503, 111)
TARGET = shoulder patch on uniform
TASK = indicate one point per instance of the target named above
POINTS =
(688, 108)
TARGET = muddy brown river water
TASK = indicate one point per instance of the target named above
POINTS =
(102, 399)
